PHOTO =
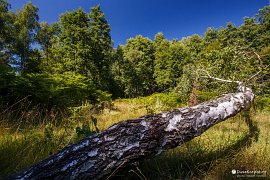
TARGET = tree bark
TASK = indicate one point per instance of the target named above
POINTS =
(133, 140)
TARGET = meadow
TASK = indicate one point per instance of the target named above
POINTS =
(238, 143)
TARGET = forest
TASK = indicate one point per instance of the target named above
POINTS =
(64, 81)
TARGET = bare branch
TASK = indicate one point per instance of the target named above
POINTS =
(259, 72)
(239, 82)
(219, 79)
(259, 58)
(261, 66)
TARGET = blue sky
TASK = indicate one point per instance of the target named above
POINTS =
(175, 18)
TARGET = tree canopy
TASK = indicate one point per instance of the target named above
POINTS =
(75, 57)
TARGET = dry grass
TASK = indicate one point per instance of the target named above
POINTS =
(233, 144)
(123, 109)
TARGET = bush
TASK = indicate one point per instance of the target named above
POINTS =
(206, 96)
(61, 90)
(161, 102)
(7, 76)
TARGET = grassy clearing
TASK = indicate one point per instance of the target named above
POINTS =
(227, 146)
(233, 144)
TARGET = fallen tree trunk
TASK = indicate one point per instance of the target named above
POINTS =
(136, 139)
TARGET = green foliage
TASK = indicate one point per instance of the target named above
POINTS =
(211, 35)
(194, 45)
(48, 132)
(161, 102)
(134, 71)
(75, 52)
(230, 62)
(161, 71)
(7, 76)
(83, 46)
(62, 90)
(86, 129)
(79, 114)
(6, 36)
(33, 64)
(73, 90)
(77, 64)
(118, 73)
(170, 57)
(34, 86)
(184, 87)
(264, 17)
(206, 96)
(46, 37)
(25, 28)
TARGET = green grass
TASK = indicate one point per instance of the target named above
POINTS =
(228, 145)
(233, 144)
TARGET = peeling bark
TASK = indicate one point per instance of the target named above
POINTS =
(133, 140)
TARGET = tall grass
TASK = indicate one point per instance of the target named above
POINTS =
(238, 143)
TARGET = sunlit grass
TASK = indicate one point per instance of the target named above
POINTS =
(229, 145)
(213, 155)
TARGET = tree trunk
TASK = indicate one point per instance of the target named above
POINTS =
(133, 140)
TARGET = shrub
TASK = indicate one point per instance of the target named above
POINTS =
(206, 96)
(160, 102)
(87, 129)
(61, 90)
